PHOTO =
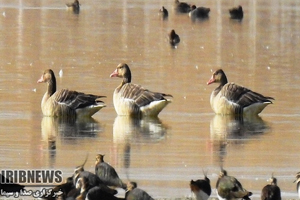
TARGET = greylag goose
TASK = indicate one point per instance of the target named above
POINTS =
(228, 187)
(134, 100)
(271, 191)
(134, 193)
(107, 173)
(67, 103)
(232, 99)
(199, 12)
(174, 39)
(201, 188)
(236, 13)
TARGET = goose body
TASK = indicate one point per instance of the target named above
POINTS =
(229, 188)
(67, 103)
(236, 13)
(271, 191)
(201, 188)
(174, 38)
(134, 100)
(199, 12)
(232, 99)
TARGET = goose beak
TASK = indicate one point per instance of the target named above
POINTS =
(41, 80)
(211, 80)
(114, 74)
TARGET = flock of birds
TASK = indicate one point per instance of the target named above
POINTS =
(135, 101)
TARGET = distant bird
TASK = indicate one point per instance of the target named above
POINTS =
(236, 13)
(199, 12)
(298, 183)
(201, 188)
(164, 12)
(8, 186)
(67, 103)
(182, 7)
(232, 99)
(174, 39)
(134, 193)
(75, 6)
(107, 173)
(134, 100)
(271, 191)
(228, 187)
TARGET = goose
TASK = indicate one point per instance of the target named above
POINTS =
(134, 100)
(232, 99)
(182, 7)
(164, 12)
(107, 173)
(174, 39)
(134, 193)
(228, 187)
(201, 188)
(271, 191)
(236, 13)
(199, 12)
(75, 6)
(67, 103)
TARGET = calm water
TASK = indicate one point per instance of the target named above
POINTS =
(261, 52)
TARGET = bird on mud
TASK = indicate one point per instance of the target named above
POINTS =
(201, 188)
(271, 191)
(228, 187)
(107, 173)
(134, 193)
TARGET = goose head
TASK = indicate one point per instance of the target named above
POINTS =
(122, 71)
(218, 77)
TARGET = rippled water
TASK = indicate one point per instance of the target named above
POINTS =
(162, 155)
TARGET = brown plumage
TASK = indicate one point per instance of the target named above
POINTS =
(271, 191)
(232, 99)
(67, 103)
(134, 100)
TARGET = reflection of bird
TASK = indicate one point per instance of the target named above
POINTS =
(271, 191)
(232, 99)
(107, 173)
(182, 7)
(164, 12)
(7, 186)
(236, 13)
(134, 193)
(298, 183)
(201, 188)
(228, 187)
(174, 39)
(199, 12)
(75, 6)
(67, 103)
(133, 100)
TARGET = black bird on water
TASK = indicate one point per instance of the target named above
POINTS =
(164, 12)
(75, 6)
(236, 13)
(271, 191)
(174, 39)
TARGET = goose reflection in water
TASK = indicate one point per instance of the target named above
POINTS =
(228, 129)
(133, 130)
(54, 128)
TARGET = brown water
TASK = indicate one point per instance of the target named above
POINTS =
(261, 52)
